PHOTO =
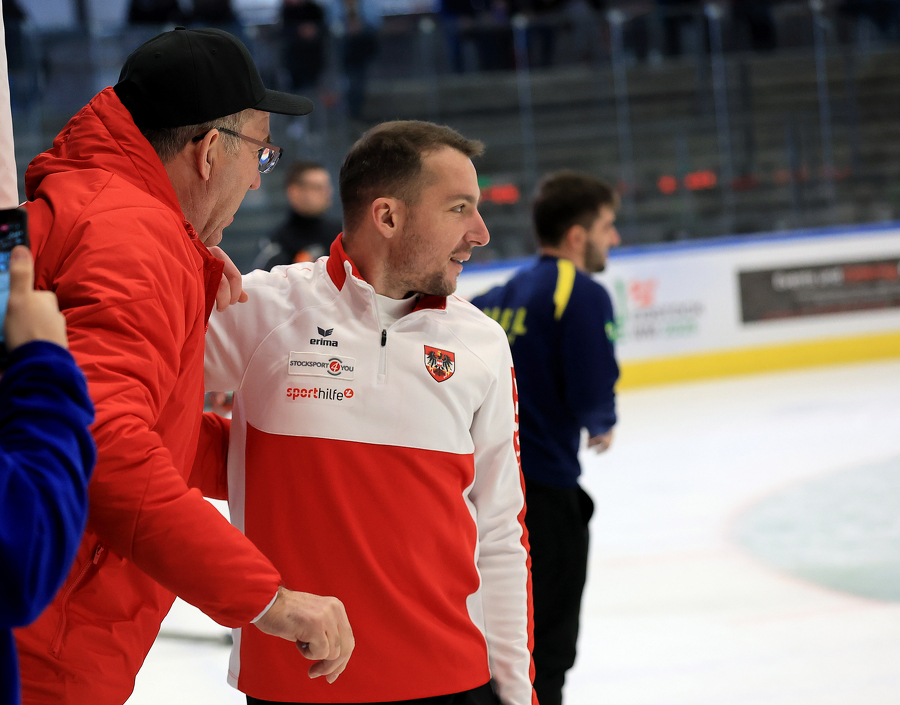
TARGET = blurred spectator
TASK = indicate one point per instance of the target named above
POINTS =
(457, 21)
(307, 234)
(677, 16)
(494, 37)
(543, 24)
(478, 34)
(154, 12)
(213, 13)
(218, 14)
(205, 13)
(21, 88)
(13, 17)
(359, 48)
(884, 14)
(584, 19)
(304, 31)
(638, 30)
(756, 17)
(46, 458)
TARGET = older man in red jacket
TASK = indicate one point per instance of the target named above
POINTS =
(123, 209)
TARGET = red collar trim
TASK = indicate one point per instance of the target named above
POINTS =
(338, 274)
(335, 265)
(430, 301)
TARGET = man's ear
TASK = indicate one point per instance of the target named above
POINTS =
(574, 239)
(205, 153)
(388, 215)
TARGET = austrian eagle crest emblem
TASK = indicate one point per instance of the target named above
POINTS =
(439, 363)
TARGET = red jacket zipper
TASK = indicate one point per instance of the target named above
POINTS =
(56, 645)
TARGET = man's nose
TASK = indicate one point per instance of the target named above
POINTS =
(479, 235)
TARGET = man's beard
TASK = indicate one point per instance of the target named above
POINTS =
(404, 268)
(594, 258)
(436, 284)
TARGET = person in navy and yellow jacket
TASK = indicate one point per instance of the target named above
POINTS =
(46, 458)
(561, 329)
(373, 449)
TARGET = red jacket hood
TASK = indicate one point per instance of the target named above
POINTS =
(102, 138)
(102, 135)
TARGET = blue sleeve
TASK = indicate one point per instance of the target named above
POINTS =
(589, 364)
(46, 457)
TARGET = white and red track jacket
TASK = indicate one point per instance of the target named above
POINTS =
(378, 465)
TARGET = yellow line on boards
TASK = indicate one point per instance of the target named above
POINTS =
(725, 363)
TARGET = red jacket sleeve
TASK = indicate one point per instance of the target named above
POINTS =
(134, 303)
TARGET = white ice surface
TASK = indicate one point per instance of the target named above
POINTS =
(674, 612)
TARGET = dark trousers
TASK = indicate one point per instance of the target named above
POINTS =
(557, 520)
(477, 696)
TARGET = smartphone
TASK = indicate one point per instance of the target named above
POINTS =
(13, 231)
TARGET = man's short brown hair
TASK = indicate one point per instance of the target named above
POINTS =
(567, 198)
(387, 161)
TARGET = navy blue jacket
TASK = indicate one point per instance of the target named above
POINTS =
(561, 329)
(46, 457)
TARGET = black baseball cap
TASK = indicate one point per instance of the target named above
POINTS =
(191, 76)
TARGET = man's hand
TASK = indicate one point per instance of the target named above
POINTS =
(601, 441)
(318, 625)
(231, 290)
(30, 315)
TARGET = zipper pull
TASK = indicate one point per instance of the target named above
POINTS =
(98, 552)
(383, 337)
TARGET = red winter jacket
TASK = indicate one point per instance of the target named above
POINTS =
(136, 286)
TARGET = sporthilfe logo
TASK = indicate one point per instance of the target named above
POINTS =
(319, 394)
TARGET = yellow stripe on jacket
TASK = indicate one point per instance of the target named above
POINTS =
(565, 281)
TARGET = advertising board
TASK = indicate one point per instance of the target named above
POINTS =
(744, 304)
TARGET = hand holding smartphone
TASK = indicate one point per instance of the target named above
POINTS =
(13, 231)
(25, 314)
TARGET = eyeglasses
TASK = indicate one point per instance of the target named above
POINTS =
(269, 154)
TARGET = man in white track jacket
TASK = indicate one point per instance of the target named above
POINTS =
(373, 453)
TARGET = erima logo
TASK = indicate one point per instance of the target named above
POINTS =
(324, 332)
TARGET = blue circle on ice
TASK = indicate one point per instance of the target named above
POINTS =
(841, 531)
